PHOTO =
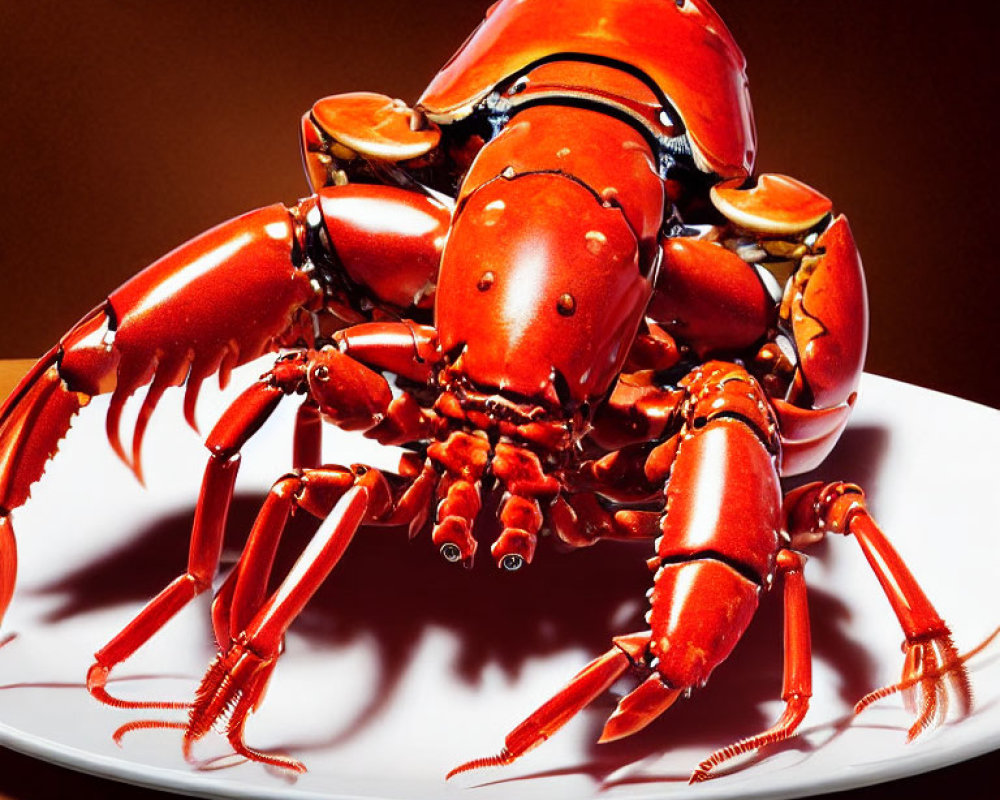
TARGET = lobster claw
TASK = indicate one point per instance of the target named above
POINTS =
(218, 301)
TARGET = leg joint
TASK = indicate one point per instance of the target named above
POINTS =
(816, 509)
(720, 391)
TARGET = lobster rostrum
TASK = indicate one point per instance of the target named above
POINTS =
(595, 313)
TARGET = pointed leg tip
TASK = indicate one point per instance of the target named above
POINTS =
(97, 677)
(136, 466)
(186, 750)
(500, 759)
(271, 760)
(466, 767)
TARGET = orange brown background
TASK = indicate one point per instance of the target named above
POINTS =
(127, 127)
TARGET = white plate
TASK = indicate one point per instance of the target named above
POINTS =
(405, 666)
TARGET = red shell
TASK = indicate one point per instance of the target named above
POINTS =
(777, 204)
(527, 298)
(686, 50)
(374, 125)
(830, 320)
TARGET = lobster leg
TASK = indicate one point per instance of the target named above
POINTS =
(797, 682)
(244, 288)
(346, 391)
(585, 687)
(243, 418)
(236, 680)
(314, 490)
(308, 442)
(933, 670)
(718, 547)
(248, 625)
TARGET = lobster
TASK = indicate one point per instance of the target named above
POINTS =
(596, 318)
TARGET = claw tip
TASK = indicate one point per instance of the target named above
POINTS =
(612, 732)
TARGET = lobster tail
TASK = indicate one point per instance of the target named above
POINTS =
(220, 300)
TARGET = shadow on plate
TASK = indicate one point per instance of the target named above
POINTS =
(394, 590)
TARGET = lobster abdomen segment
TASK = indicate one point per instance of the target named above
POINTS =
(686, 53)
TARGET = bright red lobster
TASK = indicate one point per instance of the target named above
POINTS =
(594, 312)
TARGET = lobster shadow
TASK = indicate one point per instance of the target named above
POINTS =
(857, 458)
(393, 592)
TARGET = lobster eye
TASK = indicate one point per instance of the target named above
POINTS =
(566, 304)
(512, 562)
(451, 552)
(486, 281)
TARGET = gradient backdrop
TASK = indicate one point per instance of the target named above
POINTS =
(127, 127)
